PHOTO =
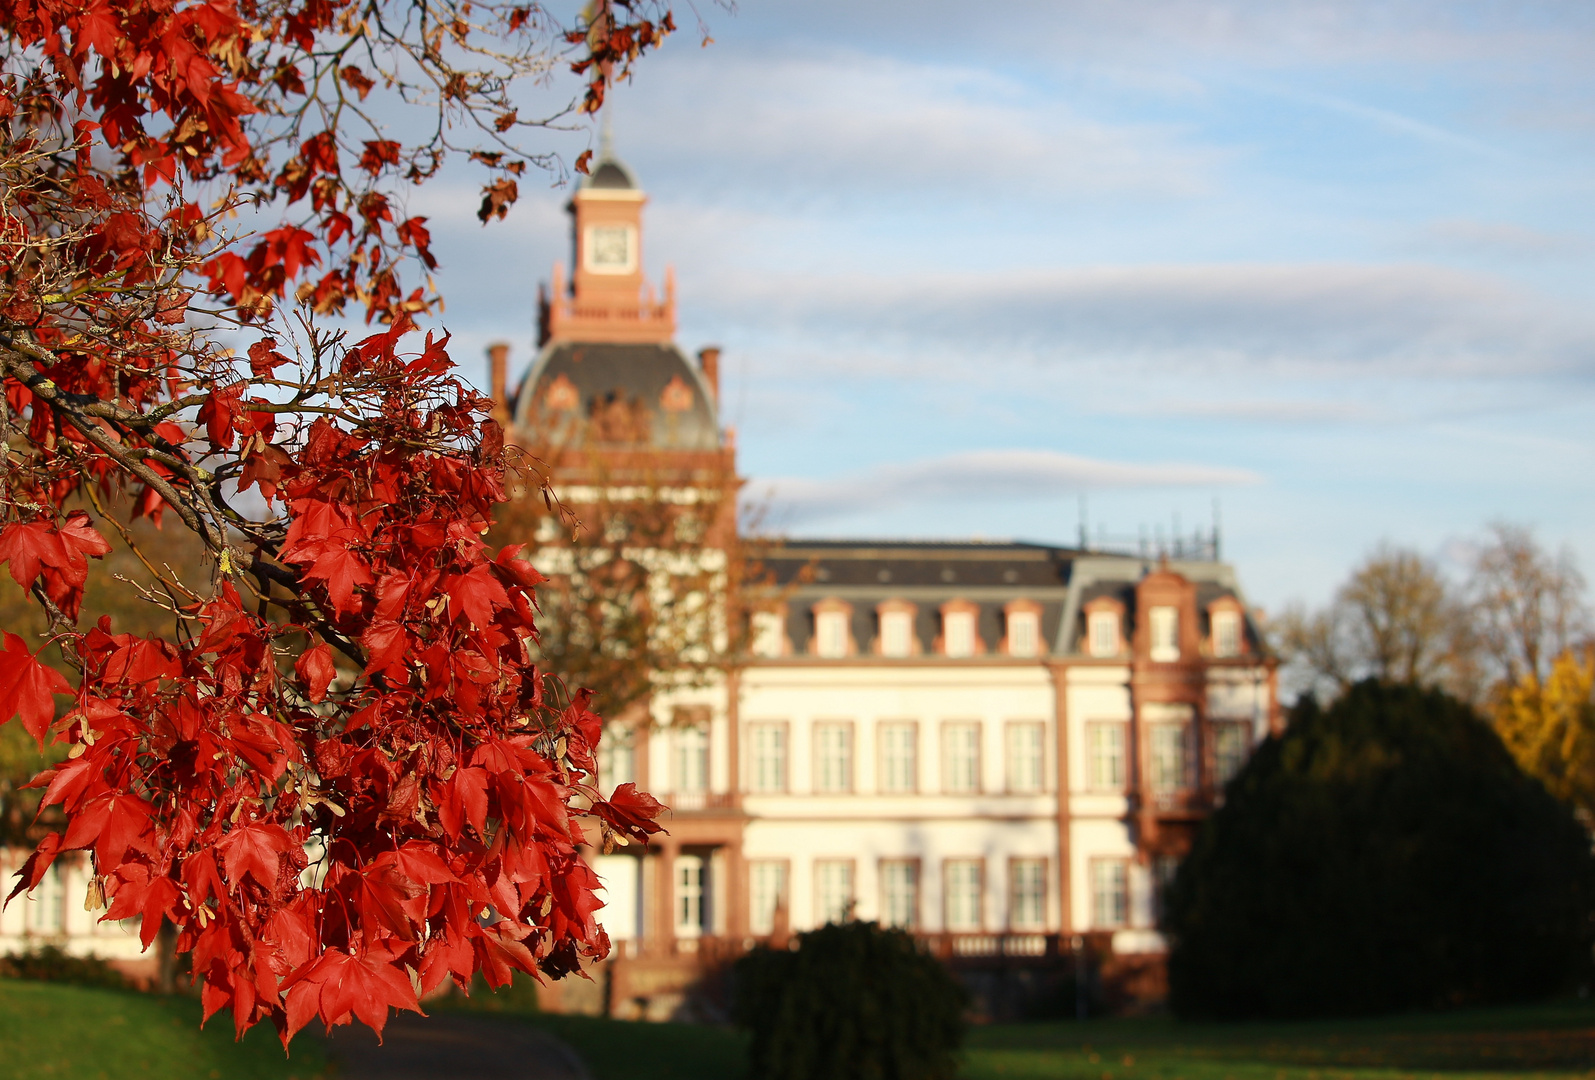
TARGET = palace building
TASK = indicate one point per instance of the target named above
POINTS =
(1003, 747)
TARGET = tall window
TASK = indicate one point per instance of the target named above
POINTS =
(766, 891)
(1110, 893)
(833, 757)
(1230, 745)
(617, 758)
(1102, 633)
(830, 631)
(689, 871)
(963, 884)
(900, 893)
(767, 633)
(692, 759)
(767, 757)
(1169, 767)
(1165, 634)
(46, 903)
(958, 633)
(1027, 894)
(1025, 760)
(897, 633)
(1024, 633)
(833, 890)
(1226, 633)
(1105, 756)
(961, 758)
(899, 757)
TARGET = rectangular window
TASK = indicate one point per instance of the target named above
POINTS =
(767, 633)
(45, 904)
(897, 633)
(833, 757)
(963, 884)
(1231, 743)
(1025, 758)
(767, 758)
(692, 759)
(1105, 756)
(833, 890)
(961, 758)
(1110, 893)
(689, 872)
(1226, 633)
(899, 757)
(958, 633)
(617, 758)
(1169, 765)
(1165, 634)
(1024, 635)
(830, 629)
(766, 892)
(900, 893)
(1102, 633)
(1027, 894)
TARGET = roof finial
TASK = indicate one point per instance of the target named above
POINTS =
(606, 135)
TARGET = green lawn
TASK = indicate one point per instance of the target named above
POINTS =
(65, 1033)
(1555, 1039)
(61, 1032)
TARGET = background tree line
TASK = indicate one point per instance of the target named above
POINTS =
(1512, 638)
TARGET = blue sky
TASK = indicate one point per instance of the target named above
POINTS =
(1331, 264)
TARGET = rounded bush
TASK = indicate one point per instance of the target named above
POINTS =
(1384, 854)
(851, 1002)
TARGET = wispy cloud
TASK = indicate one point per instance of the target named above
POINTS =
(1322, 319)
(801, 124)
(978, 476)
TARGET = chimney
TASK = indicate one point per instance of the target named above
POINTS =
(709, 360)
(498, 355)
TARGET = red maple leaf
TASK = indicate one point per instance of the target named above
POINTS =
(27, 688)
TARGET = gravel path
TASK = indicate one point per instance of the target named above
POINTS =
(449, 1046)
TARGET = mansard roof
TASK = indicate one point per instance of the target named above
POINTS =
(989, 574)
(619, 395)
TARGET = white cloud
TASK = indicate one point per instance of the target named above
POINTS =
(1317, 319)
(977, 476)
(799, 125)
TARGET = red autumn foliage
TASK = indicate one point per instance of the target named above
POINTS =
(339, 778)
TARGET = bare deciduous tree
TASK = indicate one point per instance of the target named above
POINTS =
(1528, 605)
(1396, 619)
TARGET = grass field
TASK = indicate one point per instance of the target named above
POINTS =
(48, 1030)
(1556, 1039)
(1552, 1040)
(52, 1031)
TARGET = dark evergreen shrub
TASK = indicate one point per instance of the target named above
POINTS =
(1384, 854)
(851, 1002)
(49, 963)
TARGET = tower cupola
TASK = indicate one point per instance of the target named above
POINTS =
(608, 299)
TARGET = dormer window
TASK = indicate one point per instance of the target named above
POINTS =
(767, 633)
(958, 633)
(830, 633)
(897, 632)
(1165, 627)
(1102, 633)
(1024, 633)
(1226, 634)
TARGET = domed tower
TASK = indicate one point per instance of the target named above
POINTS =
(609, 378)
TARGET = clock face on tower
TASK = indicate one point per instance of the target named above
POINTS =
(609, 249)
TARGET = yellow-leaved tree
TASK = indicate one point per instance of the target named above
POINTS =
(1549, 725)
